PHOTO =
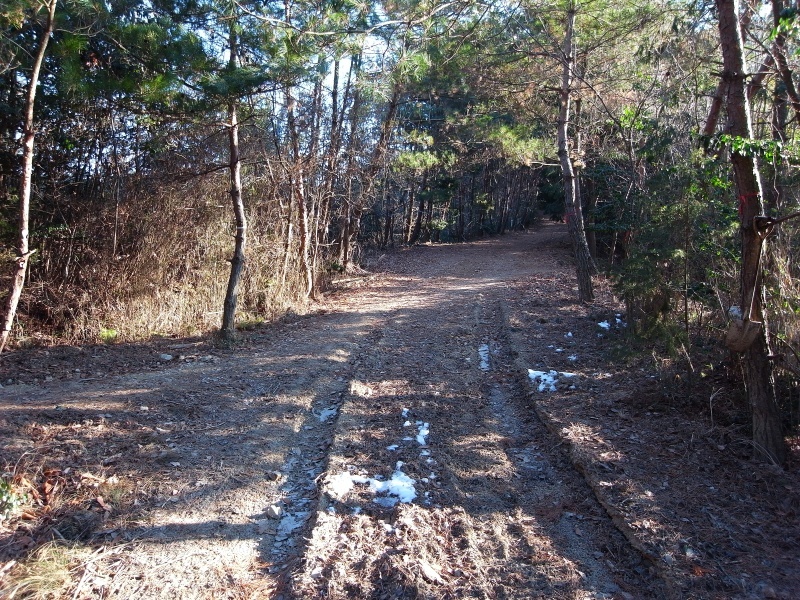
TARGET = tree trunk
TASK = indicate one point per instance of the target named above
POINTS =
(767, 434)
(573, 211)
(297, 177)
(28, 138)
(228, 330)
(413, 237)
(409, 216)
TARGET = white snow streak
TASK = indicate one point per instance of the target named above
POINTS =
(483, 352)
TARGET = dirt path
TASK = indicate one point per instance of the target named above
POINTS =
(282, 468)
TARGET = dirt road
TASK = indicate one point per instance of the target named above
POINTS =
(384, 447)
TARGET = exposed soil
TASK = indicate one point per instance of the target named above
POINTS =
(179, 470)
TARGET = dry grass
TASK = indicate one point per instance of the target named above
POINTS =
(48, 573)
(159, 266)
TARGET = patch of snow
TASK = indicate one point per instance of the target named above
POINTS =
(483, 352)
(405, 412)
(548, 379)
(573, 357)
(399, 485)
(340, 484)
(568, 334)
(392, 448)
(407, 424)
(424, 431)
(604, 325)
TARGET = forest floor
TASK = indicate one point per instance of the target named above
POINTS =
(452, 425)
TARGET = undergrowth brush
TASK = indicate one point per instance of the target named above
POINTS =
(157, 264)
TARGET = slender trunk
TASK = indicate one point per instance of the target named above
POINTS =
(287, 247)
(240, 239)
(28, 138)
(409, 216)
(297, 177)
(346, 218)
(573, 212)
(235, 166)
(414, 237)
(767, 434)
(237, 262)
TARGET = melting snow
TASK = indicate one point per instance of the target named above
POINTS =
(547, 379)
(424, 431)
(604, 324)
(483, 352)
(400, 485)
(340, 485)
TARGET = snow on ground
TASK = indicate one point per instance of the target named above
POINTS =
(398, 488)
(424, 431)
(548, 379)
(483, 352)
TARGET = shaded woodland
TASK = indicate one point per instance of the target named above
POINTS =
(174, 167)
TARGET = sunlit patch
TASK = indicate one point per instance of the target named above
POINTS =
(359, 389)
